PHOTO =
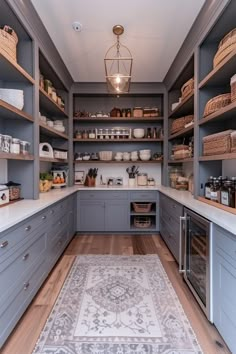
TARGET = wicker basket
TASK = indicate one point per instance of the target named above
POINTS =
(219, 143)
(233, 88)
(216, 103)
(233, 141)
(226, 46)
(142, 207)
(179, 123)
(187, 88)
(105, 155)
(142, 222)
(8, 42)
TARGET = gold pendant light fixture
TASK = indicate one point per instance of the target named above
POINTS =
(118, 65)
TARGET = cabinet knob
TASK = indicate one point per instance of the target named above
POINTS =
(28, 228)
(52, 211)
(25, 256)
(26, 285)
(44, 217)
(4, 244)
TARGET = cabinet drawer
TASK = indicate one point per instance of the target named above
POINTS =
(170, 237)
(225, 243)
(143, 195)
(14, 268)
(171, 207)
(103, 195)
(10, 239)
(12, 309)
(59, 208)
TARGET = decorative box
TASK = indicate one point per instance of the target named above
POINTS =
(4, 194)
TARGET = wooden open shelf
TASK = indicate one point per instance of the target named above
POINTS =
(184, 108)
(118, 162)
(121, 140)
(118, 119)
(8, 156)
(224, 113)
(51, 132)
(48, 159)
(182, 132)
(217, 205)
(8, 111)
(12, 71)
(49, 104)
(229, 156)
(221, 73)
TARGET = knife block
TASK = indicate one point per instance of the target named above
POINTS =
(90, 181)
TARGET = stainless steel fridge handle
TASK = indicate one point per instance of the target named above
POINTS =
(181, 220)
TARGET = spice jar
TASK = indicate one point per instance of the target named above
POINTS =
(15, 146)
(142, 179)
(24, 147)
(6, 143)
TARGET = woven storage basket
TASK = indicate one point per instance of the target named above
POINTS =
(181, 152)
(105, 155)
(187, 88)
(233, 88)
(179, 123)
(142, 222)
(8, 42)
(233, 141)
(142, 207)
(226, 46)
(219, 143)
(216, 103)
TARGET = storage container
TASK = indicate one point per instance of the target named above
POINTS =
(105, 155)
(15, 146)
(142, 179)
(187, 88)
(142, 222)
(233, 88)
(219, 143)
(8, 42)
(24, 147)
(216, 103)
(226, 46)
(4, 194)
(142, 207)
(138, 112)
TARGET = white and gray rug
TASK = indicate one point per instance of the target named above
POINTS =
(117, 305)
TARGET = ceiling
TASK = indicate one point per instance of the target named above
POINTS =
(154, 33)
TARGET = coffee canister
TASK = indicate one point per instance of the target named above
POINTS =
(142, 179)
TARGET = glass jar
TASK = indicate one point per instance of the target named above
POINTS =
(6, 143)
(174, 173)
(15, 146)
(24, 147)
(48, 86)
(227, 194)
(207, 188)
(215, 191)
(106, 134)
(128, 112)
(142, 179)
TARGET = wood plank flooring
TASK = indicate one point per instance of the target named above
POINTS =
(24, 337)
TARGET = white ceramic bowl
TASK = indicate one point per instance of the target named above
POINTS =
(139, 133)
(59, 128)
(50, 123)
(147, 151)
(145, 157)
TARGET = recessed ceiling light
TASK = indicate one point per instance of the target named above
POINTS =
(77, 26)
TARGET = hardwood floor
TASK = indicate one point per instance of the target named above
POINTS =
(24, 337)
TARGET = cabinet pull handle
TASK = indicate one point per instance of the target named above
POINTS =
(44, 217)
(25, 256)
(4, 244)
(28, 228)
(181, 220)
(26, 285)
(51, 211)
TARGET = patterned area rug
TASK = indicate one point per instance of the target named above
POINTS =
(117, 305)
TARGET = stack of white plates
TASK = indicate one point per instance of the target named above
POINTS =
(58, 125)
(13, 97)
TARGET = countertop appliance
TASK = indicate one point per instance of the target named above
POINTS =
(195, 258)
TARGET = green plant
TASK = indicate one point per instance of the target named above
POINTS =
(45, 176)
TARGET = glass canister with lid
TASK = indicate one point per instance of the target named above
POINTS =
(24, 147)
(142, 179)
(6, 143)
(15, 146)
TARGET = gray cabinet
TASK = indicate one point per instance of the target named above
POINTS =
(28, 251)
(170, 212)
(224, 285)
(102, 211)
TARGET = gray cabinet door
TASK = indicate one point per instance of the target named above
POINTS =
(224, 285)
(92, 215)
(116, 215)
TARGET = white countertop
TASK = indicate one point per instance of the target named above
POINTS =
(19, 211)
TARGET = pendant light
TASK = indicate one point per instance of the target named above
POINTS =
(118, 65)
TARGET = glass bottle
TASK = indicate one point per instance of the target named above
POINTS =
(227, 194)
(207, 188)
(215, 191)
